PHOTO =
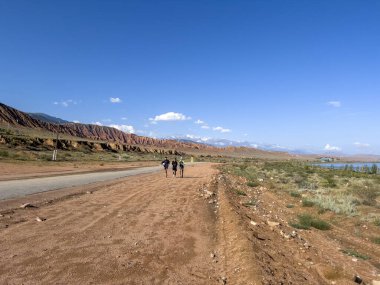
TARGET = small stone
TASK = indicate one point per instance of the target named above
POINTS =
(358, 279)
(224, 280)
(272, 224)
(89, 192)
(38, 219)
(27, 205)
(253, 223)
(355, 260)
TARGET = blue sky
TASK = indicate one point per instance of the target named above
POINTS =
(299, 74)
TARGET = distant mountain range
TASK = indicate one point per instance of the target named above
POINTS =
(47, 118)
(225, 143)
(43, 122)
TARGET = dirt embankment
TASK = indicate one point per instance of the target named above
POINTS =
(149, 229)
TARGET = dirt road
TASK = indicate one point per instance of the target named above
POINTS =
(22, 187)
(147, 229)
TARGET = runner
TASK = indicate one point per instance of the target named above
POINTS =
(174, 165)
(166, 163)
(181, 167)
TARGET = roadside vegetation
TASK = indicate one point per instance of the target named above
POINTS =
(343, 192)
(340, 191)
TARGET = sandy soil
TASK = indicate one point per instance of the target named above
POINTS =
(149, 229)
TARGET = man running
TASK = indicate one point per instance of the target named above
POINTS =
(166, 163)
(174, 165)
(181, 167)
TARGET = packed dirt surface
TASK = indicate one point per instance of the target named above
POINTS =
(30, 169)
(148, 229)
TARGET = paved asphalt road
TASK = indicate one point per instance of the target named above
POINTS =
(19, 188)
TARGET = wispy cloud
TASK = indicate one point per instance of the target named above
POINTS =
(199, 122)
(97, 123)
(124, 128)
(170, 116)
(329, 147)
(205, 127)
(222, 130)
(65, 103)
(124, 118)
(335, 104)
(76, 121)
(362, 145)
(115, 100)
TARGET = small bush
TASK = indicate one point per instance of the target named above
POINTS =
(354, 253)
(320, 225)
(339, 204)
(241, 193)
(306, 221)
(376, 240)
(290, 206)
(4, 153)
(295, 194)
(307, 203)
(299, 226)
(253, 184)
(376, 222)
(250, 203)
(330, 182)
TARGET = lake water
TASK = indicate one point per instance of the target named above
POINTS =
(356, 166)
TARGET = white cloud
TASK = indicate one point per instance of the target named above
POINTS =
(170, 116)
(329, 147)
(198, 138)
(65, 103)
(76, 121)
(205, 127)
(124, 118)
(97, 123)
(335, 104)
(115, 100)
(199, 122)
(222, 130)
(124, 128)
(361, 145)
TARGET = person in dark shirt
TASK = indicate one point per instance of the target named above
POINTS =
(181, 167)
(166, 163)
(175, 165)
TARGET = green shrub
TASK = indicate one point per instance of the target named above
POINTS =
(290, 206)
(376, 240)
(240, 192)
(320, 225)
(4, 153)
(307, 203)
(250, 203)
(253, 184)
(330, 182)
(354, 253)
(295, 194)
(306, 221)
